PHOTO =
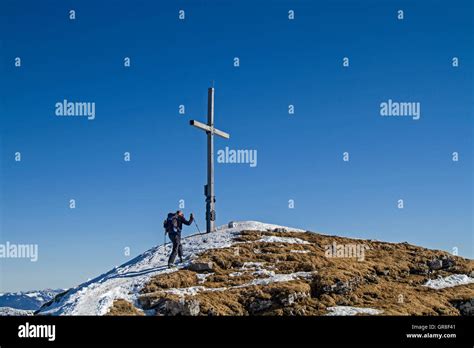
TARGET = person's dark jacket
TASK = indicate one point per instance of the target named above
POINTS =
(179, 221)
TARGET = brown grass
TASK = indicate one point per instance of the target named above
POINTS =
(121, 307)
(390, 278)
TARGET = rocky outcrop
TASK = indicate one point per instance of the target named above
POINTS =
(201, 267)
(466, 307)
(443, 262)
(182, 307)
(321, 286)
(258, 275)
(166, 304)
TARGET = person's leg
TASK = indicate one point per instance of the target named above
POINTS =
(180, 249)
(174, 240)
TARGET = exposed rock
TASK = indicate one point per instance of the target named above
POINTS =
(447, 262)
(200, 267)
(444, 262)
(182, 307)
(466, 307)
(372, 278)
(339, 288)
(319, 286)
(435, 264)
(259, 305)
(148, 301)
(279, 229)
(420, 268)
(382, 271)
(291, 298)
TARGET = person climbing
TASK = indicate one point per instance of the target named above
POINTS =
(173, 226)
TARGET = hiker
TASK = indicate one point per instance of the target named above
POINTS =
(173, 226)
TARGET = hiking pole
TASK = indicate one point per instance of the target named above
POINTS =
(197, 226)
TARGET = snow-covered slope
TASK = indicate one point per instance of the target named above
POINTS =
(124, 282)
(27, 300)
(8, 311)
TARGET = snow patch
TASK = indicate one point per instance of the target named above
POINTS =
(202, 277)
(33, 294)
(263, 272)
(449, 281)
(252, 265)
(348, 310)
(278, 278)
(300, 251)
(236, 274)
(275, 239)
(238, 226)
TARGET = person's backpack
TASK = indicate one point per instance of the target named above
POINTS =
(169, 224)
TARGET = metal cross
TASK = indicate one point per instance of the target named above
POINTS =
(210, 131)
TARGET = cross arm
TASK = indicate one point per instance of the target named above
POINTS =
(200, 125)
(206, 128)
(221, 133)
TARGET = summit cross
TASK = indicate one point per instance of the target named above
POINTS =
(210, 131)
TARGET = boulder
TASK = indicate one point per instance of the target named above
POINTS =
(447, 262)
(444, 262)
(435, 264)
(182, 307)
(149, 301)
(200, 267)
(258, 305)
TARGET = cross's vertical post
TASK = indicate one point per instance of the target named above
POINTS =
(210, 198)
(210, 131)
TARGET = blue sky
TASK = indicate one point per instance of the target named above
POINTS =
(282, 62)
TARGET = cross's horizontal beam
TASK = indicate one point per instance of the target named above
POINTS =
(221, 133)
(200, 125)
(206, 128)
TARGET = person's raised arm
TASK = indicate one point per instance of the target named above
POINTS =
(187, 222)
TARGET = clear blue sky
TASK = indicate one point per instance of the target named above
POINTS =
(283, 62)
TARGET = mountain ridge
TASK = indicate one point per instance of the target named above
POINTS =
(251, 265)
(27, 300)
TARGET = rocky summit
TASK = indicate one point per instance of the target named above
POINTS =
(252, 268)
